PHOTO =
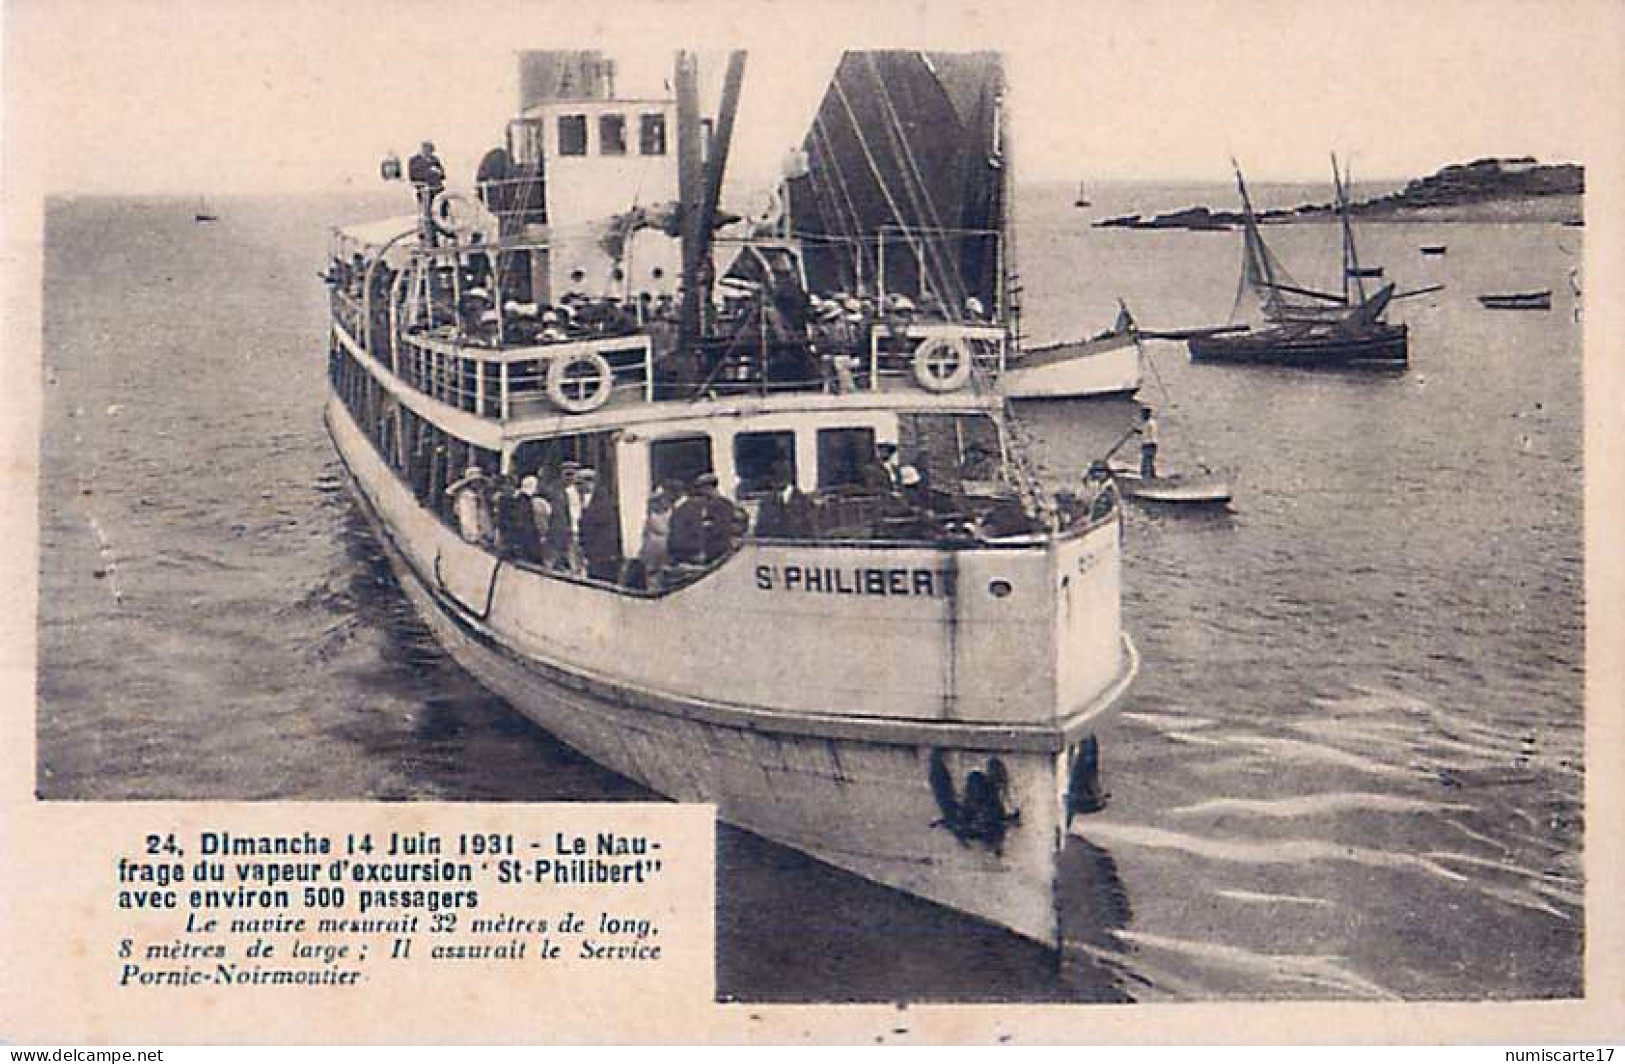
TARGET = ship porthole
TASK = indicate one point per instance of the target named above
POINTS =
(657, 273)
(999, 588)
(578, 275)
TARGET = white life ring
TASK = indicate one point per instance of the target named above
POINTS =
(580, 383)
(942, 364)
(459, 214)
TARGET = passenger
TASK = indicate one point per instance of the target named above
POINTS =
(706, 525)
(598, 528)
(563, 551)
(880, 472)
(428, 178)
(471, 506)
(655, 551)
(1099, 495)
(532, 521)
(1147, 431)
(911, 484)
(974, 311)
(788, 513)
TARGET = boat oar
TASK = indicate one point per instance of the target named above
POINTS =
(1418, 291)
(1125, 438)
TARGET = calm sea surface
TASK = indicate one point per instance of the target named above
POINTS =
(1351, 767)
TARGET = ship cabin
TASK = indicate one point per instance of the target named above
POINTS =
(538, 323)
(895, 442)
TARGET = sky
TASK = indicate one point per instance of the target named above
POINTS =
(254, 95)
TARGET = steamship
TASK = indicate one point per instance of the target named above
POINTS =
(907, 685)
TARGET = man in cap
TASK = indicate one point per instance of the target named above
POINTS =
(428, 178)
(598, 528)
(706, 525)
(1099, 495)
(881, 471)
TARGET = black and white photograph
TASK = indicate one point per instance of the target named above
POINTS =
(1095, 501)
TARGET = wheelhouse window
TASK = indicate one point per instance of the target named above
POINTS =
(842, 455)
(679, 458)
(611, 134)
(652, 135)
(572, 134)
(757, 455)
(525, 142)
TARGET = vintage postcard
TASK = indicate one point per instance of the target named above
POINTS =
(768, 522)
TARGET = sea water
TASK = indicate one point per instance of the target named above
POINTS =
(1351, 766)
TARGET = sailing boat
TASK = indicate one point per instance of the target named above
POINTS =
(203, 213)
(1303, 326)
(1083, 197)
(902, 210)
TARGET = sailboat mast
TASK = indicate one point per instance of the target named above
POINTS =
(1351, 256)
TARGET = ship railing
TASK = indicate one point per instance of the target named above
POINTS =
(894, 348)
(514, 381)
(347, 311)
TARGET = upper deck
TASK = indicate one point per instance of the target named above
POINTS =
(440, 323)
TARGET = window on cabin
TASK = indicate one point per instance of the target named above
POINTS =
(952, 451)
(679, 458)
(652, 135)
(611, 134)
(525, 142)
(756, 454)
(572, 134)
(842, 455)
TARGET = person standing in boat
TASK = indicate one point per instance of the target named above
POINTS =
(1147, 431)
(647, 570)
(598, 528)
(1099, 496)
(881, 474)
(565, 500)
(428, 179)
(787, 513)
(533, 523)
(706, 525)
(468, 495)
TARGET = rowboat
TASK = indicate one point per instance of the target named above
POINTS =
(1541, 300)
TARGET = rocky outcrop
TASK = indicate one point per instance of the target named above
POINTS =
(1480, 183)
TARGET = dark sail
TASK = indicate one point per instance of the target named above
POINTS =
(905, 151)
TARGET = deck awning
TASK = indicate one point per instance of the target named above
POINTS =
(368, 237)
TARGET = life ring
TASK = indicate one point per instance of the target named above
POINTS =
(942, 364)
(580, 383)
(457, 213)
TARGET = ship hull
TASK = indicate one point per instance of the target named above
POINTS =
(1386, 348)
(884, 799)
(1083, 370)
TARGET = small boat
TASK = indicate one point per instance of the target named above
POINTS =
(1541, 300)
(1434, 249)
(1365, 271)
(1178, 489)
(1083, 197)
(203, 213)
(1106, 365)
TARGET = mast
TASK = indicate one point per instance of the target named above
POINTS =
(699, 184)
(690, 181)
(1351, 257)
